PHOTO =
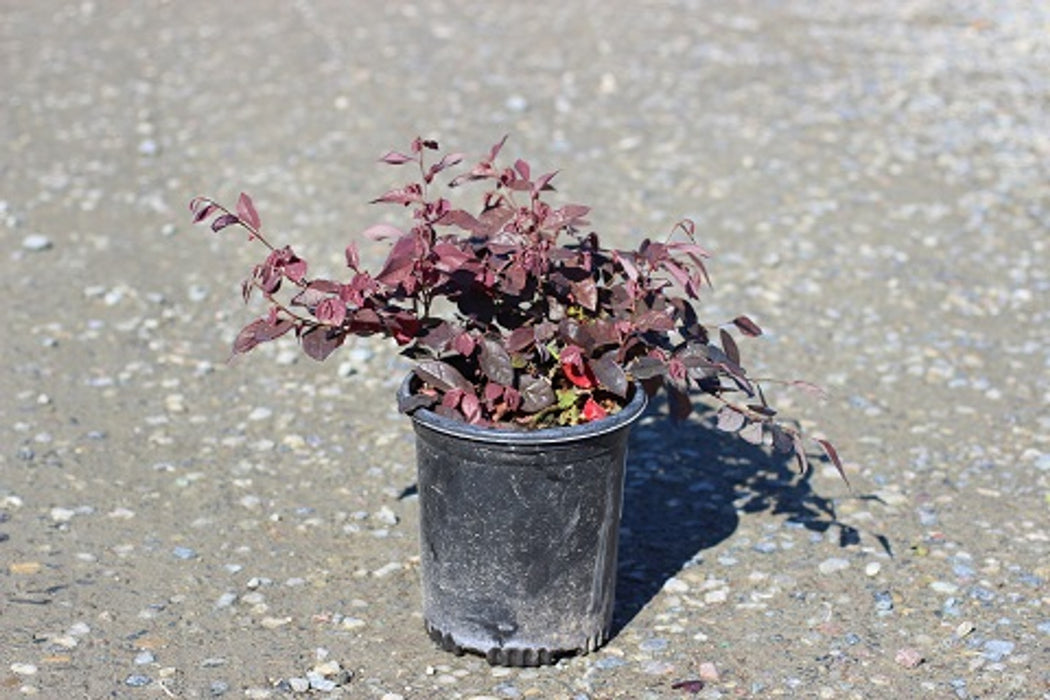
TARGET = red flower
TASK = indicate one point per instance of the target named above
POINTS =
(592, 410)
(576, 369)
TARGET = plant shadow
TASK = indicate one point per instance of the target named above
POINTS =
(686, 487)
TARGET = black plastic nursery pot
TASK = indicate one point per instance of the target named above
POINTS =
(519, 534)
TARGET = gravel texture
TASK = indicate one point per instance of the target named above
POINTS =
(872, 176)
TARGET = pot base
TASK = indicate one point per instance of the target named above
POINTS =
(512, 656)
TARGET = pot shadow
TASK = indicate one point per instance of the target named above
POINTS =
(686, 487)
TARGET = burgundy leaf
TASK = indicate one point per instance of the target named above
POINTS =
(610, 374)
(627, 264)
(309, 297)
(395, 158)
(747, 326)
(332, 311)
(752, 432)
(450, 257)
(471, 408)
(203, 213)
(492, 393)
(600, 333)
(448, 161)
(800, 453)
(648, 367)
(652, 320)
(523, 168)
(464, 344)
(197, 202)
(453, 398)
(404, 327)
(687, 226)
(260, 331)
(495, 362)
(543, 182)
(246, 212)
(521, 338)
(678, 403)
(442, 376)
(729, 346)
(400, 262)
(295, 269)
(833, 455)
(494, 151)
(536, 393)
(782, 440)
(809, 388)
(586, 293)
(511, 398)
(405, 195)
(438, 338)
(730, 420)
(353, 257)
(458, 217)
(223, 221)
(762, 409)
(319, 342)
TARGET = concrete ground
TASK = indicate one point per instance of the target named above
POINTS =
(872, 176)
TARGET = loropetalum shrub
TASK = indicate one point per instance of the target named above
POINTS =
(515, 314)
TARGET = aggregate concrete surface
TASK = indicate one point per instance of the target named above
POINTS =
(871, 176)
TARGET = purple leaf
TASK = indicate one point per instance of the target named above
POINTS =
(246, 212)
(523, 168)
(800, 453)
(833, 455)
(495, 362)
(260, 331)
(405, 195)
(543, 182)
(747, 326)
(586, 293)
(752, 432)
(782, 440)
(319, 342)
(536, 393)
(729, 346)
(442, 376)
(450, 257)
(809, 388)
(471, 408)
(395, 158)
(464, 344)
(610, 375)
(400, 262)
(678, 403)
(309, 297)
(203, 213)
(521, 338)
(648, 368)
(223, 221)
(353, 257)
(331, 311)
(448, 161)
(730, 420)
(494, 151)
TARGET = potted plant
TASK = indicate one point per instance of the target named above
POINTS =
(535, 349)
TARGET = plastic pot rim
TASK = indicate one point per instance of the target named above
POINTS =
(449, 426)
